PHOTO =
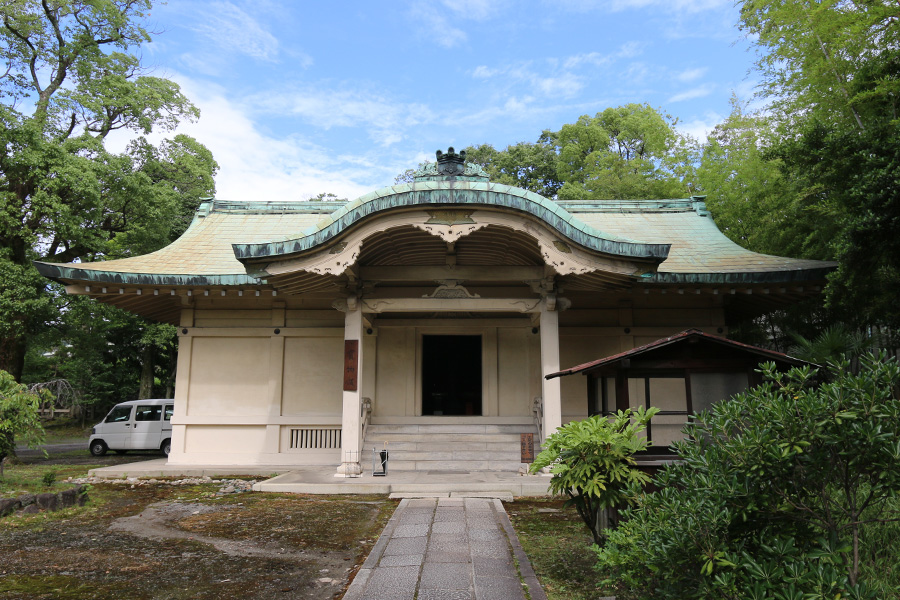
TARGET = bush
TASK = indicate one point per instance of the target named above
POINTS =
(773, 494)
(593, 463)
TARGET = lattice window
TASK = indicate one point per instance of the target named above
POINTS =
(315, 439)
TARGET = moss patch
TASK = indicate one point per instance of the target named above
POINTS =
(559, 547)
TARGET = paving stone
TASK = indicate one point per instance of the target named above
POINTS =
(411, 530)
(446, 576)
(448, 527)
(402, 560)
(484, 535)
(445, 595)
(490, 566)
(410, 518)
(489, 548)
(398, 583)
(422, 503)
(499, 588)
(447, 556)
(448, 541)
(414, 545)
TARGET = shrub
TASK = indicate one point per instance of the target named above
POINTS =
(772, 495)
(593, 463)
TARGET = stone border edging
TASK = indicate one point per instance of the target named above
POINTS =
(29, 504)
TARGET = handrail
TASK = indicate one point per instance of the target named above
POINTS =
(365, 413)
(537, 409)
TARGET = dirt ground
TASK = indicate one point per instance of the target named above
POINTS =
(163, 541)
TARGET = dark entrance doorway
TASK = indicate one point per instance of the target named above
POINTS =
(451, 375)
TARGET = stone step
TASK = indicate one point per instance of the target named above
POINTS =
(447, 448)
(441, 438)
(451, 428)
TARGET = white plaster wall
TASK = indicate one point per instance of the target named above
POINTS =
(313, 376)
(395, 372)
(229, 376)
(516, 371)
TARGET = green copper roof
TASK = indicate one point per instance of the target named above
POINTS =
(452, 191)
(698, 253)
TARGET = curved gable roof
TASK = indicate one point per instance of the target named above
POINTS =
(452, 192)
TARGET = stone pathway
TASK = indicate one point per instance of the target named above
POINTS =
(446, 549)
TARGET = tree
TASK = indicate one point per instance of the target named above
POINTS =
(774, 492)
(592, 462)
(529, 166)
(19, 416)
(814, 51)
(752, 200)
(627, 152)
(70, 81)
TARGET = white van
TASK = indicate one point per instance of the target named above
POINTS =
(134, 425)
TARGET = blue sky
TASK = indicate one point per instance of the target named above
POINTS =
(304, 97)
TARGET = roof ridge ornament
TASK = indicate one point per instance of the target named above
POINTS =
(450, 164)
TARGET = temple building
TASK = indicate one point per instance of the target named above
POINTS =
(425, 316)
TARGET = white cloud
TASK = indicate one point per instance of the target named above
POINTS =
(386, 120)
(691, 74)
(692, 94)
(700, 127)
(681, 6)
(479, 10)
(565, 86)
(436, 25)
(233, 29)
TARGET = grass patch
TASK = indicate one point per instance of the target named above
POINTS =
(61, 430)
(21, 479)
(59, 587)
(558, 546)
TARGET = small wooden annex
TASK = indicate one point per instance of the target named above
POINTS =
(426, 315)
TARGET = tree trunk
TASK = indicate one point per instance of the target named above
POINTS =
(12, 356)
(146, 389)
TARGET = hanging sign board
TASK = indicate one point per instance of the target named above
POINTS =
(351, 365)
(527, 447)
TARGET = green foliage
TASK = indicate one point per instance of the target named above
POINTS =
(627, 152)
(593, 464)
(775, 492)
(529, 166)
(19, 416)
(73, 77)
(48, 478)
(813, 53)
(833, 344)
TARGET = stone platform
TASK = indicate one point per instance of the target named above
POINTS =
(321, 480)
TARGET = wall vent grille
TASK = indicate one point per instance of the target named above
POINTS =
(315, 439)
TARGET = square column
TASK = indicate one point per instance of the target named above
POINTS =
(352, 394)
(550, 389)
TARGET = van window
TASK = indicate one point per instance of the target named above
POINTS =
(119, 414)
(148, 413)
(168, 414)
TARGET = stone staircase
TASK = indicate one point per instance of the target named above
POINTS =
(447, 448)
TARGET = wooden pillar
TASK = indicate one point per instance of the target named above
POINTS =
(352, 394)
(182, 384)
(276, 380)
(551, 389)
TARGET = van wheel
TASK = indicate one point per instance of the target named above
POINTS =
(166, 447)
(98, 448)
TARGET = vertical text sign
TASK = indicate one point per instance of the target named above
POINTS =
(527, 447)
(351, 365)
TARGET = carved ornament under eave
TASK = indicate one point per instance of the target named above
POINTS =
(451, 289)
(449, 217)
(449, 233)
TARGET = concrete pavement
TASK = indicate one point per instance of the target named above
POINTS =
(447, 549)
